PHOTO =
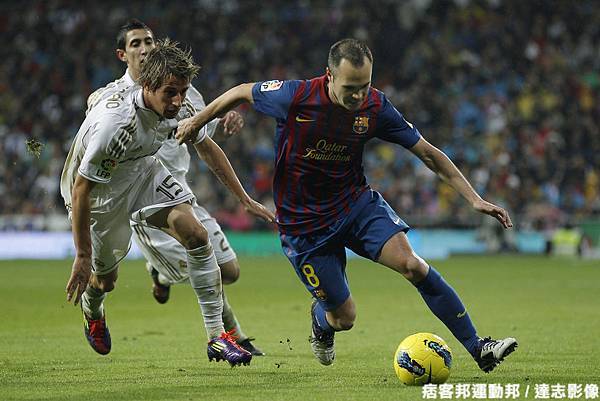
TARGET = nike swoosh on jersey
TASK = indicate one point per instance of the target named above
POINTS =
(303, 120)
(461, 314)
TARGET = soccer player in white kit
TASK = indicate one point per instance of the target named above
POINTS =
(111, 177)
(166, 258)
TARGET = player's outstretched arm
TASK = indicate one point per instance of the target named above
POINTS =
(216, 160)
(82, 266)
(440, 164)
(188, 128)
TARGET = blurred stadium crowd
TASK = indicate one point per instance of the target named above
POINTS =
(509, 89)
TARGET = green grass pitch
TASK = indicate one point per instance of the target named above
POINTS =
(550, 305)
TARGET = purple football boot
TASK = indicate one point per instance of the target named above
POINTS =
(97, 334)
(224, 348)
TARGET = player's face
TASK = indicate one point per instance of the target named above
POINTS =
(167, 99)
(138, 43)
(349, 85)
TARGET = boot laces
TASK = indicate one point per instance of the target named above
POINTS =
(229, 337)
(488, 344)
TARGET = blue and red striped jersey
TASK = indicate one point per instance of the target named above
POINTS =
(319, 149)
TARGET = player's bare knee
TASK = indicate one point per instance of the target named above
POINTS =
(230, 277)
(185, 228)
(344, 324)
(108, 286)
(196, 237)
(414, 268)
(106, 282)
(343, 318)
(230, 272)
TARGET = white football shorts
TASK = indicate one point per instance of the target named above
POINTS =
(151, 191)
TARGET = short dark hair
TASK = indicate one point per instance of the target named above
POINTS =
(352, 50)
(165, 60)
(130, 26)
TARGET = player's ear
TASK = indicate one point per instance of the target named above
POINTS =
(328, 73)
(121, 55)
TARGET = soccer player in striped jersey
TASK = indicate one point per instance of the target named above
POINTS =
(324, 203)
(111, 176)
(166, 258)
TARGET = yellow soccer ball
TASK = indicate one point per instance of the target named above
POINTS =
(423, 358)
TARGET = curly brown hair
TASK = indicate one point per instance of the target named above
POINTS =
(165, 60)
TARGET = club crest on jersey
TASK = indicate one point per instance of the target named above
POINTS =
(320, 294)
(361, 124)
(268, 86)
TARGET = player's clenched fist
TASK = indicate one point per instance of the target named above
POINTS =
(187, 130)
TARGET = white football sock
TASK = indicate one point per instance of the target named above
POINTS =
(91, 303)
(205, 277)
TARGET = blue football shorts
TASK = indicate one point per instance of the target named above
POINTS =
(319, 258)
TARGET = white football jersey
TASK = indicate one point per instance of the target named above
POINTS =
(115, 143)
(175, 157)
